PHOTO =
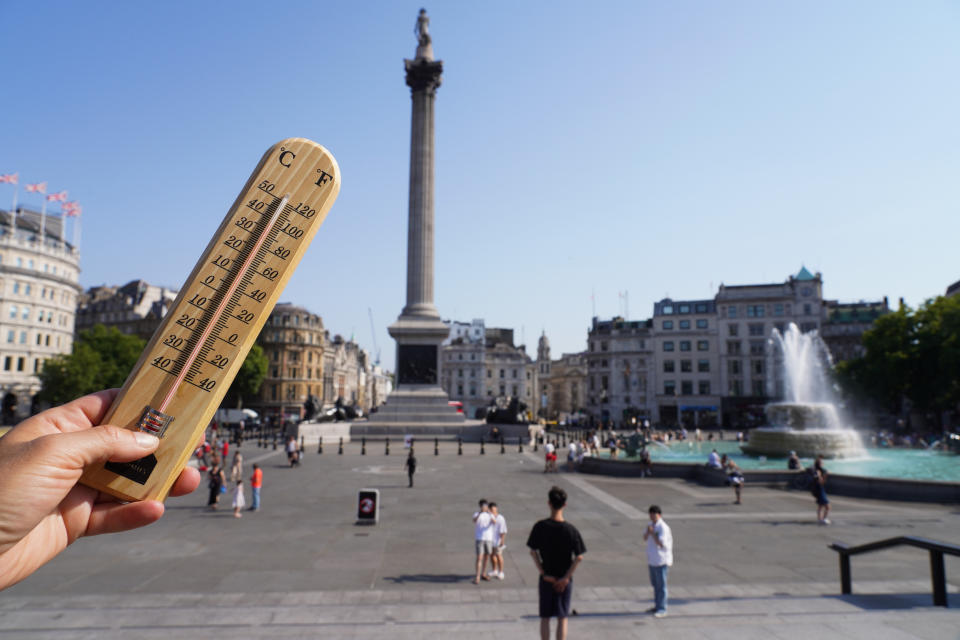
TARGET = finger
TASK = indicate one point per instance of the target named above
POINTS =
(79, 414)
(78, 449)
(186, 482)
(109, 517)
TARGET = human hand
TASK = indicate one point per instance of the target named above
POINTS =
(42, 508)
(560, 585)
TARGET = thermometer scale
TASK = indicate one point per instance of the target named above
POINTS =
(188, 365)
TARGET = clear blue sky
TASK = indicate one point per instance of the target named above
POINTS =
(658, 148)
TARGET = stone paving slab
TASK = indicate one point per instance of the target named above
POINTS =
(301, 567)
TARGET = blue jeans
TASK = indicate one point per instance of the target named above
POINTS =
(256, 498)
(658, 578)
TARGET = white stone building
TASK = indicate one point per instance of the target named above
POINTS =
(619, 361)
(38, 299)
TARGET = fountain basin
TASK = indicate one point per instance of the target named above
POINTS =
(778, 442)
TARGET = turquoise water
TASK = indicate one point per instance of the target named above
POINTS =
(915, 464)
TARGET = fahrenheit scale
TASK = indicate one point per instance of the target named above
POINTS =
(189, 363)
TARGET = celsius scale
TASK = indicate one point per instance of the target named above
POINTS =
(188, 365)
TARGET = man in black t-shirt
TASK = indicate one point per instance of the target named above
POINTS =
(557, 549)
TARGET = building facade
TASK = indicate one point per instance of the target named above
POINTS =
(845, 323)
(136, 308)
(619, 365)
(686, 363)
(38, 300)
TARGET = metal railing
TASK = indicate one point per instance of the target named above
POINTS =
(938, 573)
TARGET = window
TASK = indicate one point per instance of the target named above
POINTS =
(702, 323)
(669, 388)
(733, 366)
(733, 347)
(806, 291)
(20, 363)
(667, 309)
(757, 367)
(460, 375)
(23, 337)
(502, 374)
(704, 387)
(668, 325)
(514, 373)
(755, 328)
(686, 366)
(731, 311)
(685, 345)
(755, 310)
(7, 363)
(489, 373)
(26, 288)
(503, 389)
(703, 345)
(735, 388)
(668, 345)
(16, 287)
(701, 307)
(668, 366)
(733, 329)
(684, 308)
(778, 309)
(459, 389)
(686, 388)
(758, 388)
(14, 310)
(806, 309)
(756, 348)
(703, 366)
(685, 325)
(473, 390)
(603, 346)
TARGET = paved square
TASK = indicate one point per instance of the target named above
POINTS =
(301, 567)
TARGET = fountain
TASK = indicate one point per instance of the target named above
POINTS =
(808, 421)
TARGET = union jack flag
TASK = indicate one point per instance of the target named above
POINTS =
(57, 197)
(71, 209)
(40, 187)
(9, 178)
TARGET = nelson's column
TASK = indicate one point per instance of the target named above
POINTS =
(419, 404)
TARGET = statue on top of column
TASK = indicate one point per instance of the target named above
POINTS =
(424, 46)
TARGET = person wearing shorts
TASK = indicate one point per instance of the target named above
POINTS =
(557, 549)
(483, 526)
(499, 542)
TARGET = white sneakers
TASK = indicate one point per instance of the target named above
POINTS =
(495, 574)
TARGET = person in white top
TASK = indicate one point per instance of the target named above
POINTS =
(499, 542)
(659, 540)
(483, 525)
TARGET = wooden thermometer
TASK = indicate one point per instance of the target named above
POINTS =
(189, 363)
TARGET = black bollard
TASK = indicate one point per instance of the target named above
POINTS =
(436, 446)
(536, 441)
(459, 446)
(340, 448)
(386, 449)
(363, 446)
(519, 444)
(274, 441)
(320, 445)
(482, 450)
(301, 444)
(502, 448)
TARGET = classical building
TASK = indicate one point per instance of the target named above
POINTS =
(746, 316)
(953, 289)
(561, 384)
(686, 367)
(619, 361)
(136, 308)
(845, 323)
(294, 341)
(38, 300)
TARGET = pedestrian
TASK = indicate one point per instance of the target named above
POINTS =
(236, 471)
(292, 454)
(411, 465)
(819, 491)
(557, 549)
(659, 540)
(793, 462)
(646, 464)
(216, 484)
(256, 483)
(713, 460)
(548, 456)
(225, 449)
(483, 539)
(734, 478)
(499, 541)
(239, 499)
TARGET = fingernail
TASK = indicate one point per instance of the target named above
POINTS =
(146, 440)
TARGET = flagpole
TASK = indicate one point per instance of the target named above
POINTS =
(63, 225)
(43, 221)
(13, 209)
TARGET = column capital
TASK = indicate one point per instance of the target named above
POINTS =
(423, 74)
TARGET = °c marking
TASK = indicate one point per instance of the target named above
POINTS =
(283, 156)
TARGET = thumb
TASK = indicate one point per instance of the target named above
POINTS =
(82, 448)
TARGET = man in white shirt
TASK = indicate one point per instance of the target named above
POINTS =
(659, 540)
(499, 542)
(713, 460)
(483, 525)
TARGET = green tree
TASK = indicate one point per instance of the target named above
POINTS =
(249, 378)
(101, 359)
